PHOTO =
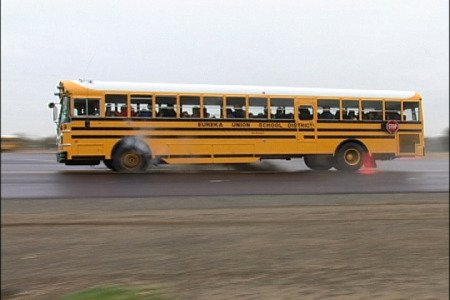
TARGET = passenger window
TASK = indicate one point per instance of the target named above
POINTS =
(281, 108)
(257, 108)
(86, 107)
(166, 106)
(141, 105)
(236, 107)
(79, 107)
(411, 111)
(189, 106)
(392, 110)
(305, 112)
(116, 106)
(372, 110)
(212, 107)
(350, 110)
(328, 109)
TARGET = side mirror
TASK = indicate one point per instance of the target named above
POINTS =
(55, 111)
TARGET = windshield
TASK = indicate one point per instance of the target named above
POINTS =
(64, 116)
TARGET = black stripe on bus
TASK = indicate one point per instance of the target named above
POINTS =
(348, 129)
(356, 136)
(187, 136)
(232, 129)
(361, 129)
(188, 129)
(122, 119)
(205, 155)
(364, 122)
(261, 156)
(88, 157)
(186, 156)
(233, 155)
(410, 130)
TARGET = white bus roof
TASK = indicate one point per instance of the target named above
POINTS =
(238, 89)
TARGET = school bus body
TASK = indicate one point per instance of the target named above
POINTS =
(90, 139)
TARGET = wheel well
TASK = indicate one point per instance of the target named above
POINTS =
(351, 141)
(135, 141)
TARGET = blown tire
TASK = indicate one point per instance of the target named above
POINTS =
(130, 158)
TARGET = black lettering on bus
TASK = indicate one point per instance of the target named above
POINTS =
(240, 124)
(270, 125)
(210, 124)
(305, 125)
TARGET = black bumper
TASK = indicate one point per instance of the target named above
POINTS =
(61, 157)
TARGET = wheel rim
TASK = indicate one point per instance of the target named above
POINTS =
(352, 157)
(131, 160)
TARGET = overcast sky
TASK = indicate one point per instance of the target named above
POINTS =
(397, 45)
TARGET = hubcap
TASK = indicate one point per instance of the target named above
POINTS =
(131, 160)
(352, 157)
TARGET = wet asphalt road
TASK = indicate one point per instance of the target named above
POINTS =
(38, 176)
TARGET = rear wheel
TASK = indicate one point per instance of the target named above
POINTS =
(319, 162)
(350, 157)
(130, 159)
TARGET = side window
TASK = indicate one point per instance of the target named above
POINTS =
(86, 107)
(166, 106)
(305, 112)
(116, 106)
(190, 106)
(282, 108)
(212, 107)
(328, 109)
(79, 107)
(372, 110)
(411, 111)
(392, 110)
(350, 110)
(236, 107)
(141, 105)
(257, 108)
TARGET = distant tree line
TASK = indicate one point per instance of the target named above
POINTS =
(24, 142)
(437, 144)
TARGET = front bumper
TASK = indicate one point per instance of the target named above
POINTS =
(61, 157)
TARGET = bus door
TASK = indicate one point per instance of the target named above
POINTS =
(305, 119)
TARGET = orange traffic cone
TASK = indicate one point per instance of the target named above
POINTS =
(369, 161)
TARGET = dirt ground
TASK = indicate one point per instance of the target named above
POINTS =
(283, 247)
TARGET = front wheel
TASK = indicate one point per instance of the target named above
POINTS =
(350, 157)
(130, 159)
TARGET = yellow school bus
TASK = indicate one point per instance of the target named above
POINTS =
(131, 125)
